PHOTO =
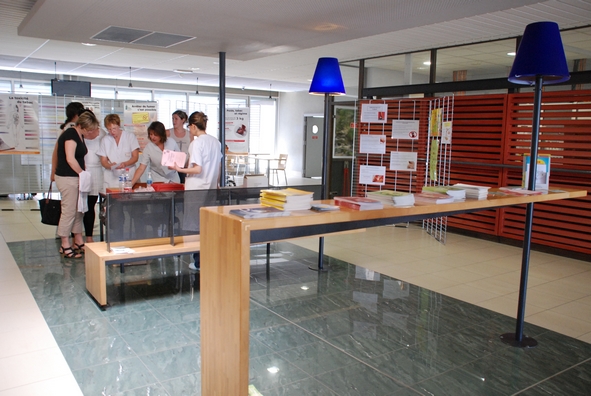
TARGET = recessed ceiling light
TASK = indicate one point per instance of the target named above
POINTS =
(273, 370)
(511, 53)
(305, 287)
(427, 63)
(183, 71)
(89, 44)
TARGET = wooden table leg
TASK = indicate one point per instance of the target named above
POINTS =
(225, 288)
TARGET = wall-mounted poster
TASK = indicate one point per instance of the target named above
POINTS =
(344, 132)
(374, 112)
(95, 107)
(405, 129)
(375, 175)
(238, 129)
(403, 161)
(137, 117)
(372, 144)
(19, 124)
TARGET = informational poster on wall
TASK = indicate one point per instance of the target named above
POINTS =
(95, 107)
(19, 124)
(374, 112)
(405, 129)
(137, 117)
(372, 144)
(375, 175)
(403, 161)
(238, 129)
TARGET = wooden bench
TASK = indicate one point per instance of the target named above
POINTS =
(97, 257)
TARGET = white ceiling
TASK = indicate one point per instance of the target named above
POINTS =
(266, 41)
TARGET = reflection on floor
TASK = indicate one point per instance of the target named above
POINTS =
(347, 331)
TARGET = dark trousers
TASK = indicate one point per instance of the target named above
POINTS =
(90, 216)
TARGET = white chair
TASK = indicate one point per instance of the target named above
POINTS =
(235, 167)
(278, 165)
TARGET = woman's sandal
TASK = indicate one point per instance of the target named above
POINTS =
(79, 248)
(69, 252)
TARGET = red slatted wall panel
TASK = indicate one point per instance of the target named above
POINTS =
(565, 134)
(477, 153)
(490, 135)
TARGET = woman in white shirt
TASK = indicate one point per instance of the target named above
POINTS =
(180, 135)
(152, 156)
(203, 172)
(118, 150)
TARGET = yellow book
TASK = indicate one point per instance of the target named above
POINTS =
(287, 195)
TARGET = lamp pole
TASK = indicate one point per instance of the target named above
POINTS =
(324, 191)
(517, 338)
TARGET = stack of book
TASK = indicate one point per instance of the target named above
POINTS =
(432, 198)
(458, 193)
(520, 191)
(358, 203)
(473, 191)
(259, 213)
(391, 197)
(287, 199)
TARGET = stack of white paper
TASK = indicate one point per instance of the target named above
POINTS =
(473, 191)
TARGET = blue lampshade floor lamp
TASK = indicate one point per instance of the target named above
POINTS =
(540, 60)
(327, 81)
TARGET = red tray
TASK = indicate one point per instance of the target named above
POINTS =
(168, 186)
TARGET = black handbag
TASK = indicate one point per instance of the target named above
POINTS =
(51, 209)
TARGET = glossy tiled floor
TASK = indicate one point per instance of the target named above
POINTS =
(351, 330)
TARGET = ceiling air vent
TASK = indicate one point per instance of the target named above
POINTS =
(120, 35)
(143, 37)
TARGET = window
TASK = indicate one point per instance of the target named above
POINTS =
(168, 103)
(394, 70)
(141, 95)
(100, 92)
(476, 61)
(262, 125)
(32, 87)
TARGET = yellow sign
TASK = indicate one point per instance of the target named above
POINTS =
(140, 118)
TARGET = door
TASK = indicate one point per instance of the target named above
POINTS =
(313, 146)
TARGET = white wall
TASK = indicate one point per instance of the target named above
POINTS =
(292, 108)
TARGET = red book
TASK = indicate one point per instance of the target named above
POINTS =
(358, 203)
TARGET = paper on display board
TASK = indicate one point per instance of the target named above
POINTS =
(375, 175)
(372, 144)
(374, 112)
(405, 129)
(403, 161)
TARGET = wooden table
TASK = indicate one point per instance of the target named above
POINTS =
(97, 256)
(225, 270)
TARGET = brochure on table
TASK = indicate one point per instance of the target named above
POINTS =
(542, 171)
